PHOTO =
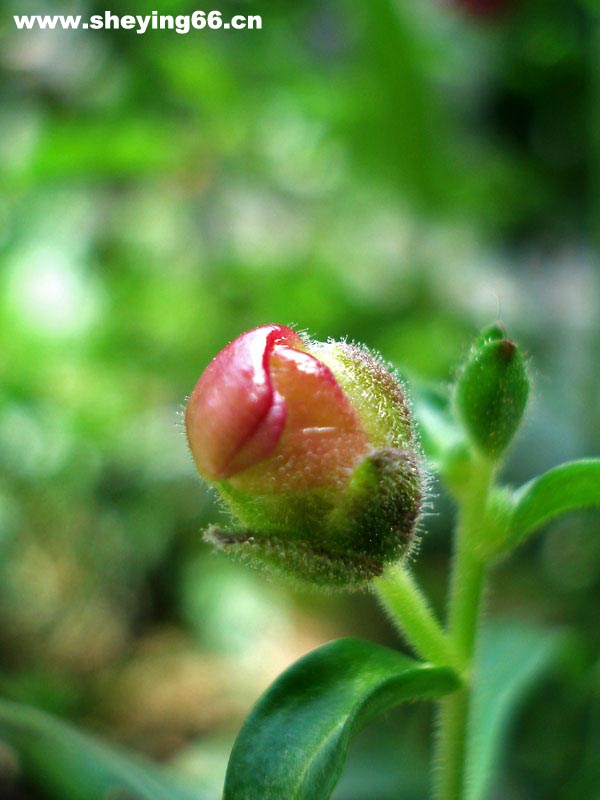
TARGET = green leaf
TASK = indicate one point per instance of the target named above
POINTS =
(69, 765)
(293, 744)
(511, 657)
(568, 487)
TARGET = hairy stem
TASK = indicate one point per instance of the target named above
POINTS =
(409, 611)
(466, 590)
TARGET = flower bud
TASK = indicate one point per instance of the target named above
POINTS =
(311, 447)
(491, 392)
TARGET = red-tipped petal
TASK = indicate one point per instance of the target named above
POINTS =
(264, 439)
(322, 439)
(234, 418)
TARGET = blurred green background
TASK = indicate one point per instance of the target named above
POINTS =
(398, 173)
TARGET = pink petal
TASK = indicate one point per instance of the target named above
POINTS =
(322, 440)
(234, 419)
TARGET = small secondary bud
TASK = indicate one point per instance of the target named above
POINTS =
(491, 392)
(311, 446)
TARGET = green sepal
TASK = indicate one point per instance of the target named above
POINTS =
(377, 394)
(344, 545)
(380, 507)
(491, 393)
(299, 561)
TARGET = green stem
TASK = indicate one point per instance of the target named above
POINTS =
(466, 590)
(409, 611)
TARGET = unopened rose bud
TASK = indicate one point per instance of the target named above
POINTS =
(311, 446)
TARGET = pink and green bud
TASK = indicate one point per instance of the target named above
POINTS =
(311, 446)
